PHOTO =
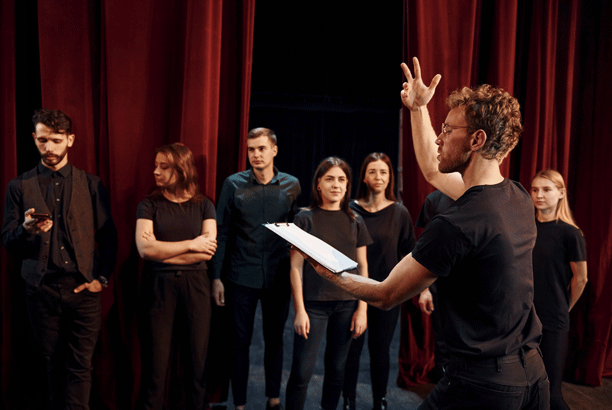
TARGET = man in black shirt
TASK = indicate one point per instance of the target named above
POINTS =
(481, 246)
(55, 215)
(254, 261)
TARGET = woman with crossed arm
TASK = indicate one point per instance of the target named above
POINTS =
(176, 233)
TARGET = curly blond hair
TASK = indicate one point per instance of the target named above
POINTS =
(494, 111)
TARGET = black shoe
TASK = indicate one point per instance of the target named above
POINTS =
(349, 404)
(277, 406)
(380, 404)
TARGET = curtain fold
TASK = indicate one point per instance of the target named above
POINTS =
(8, 170)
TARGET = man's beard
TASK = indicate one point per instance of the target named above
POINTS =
(53, 160)
(457, 164)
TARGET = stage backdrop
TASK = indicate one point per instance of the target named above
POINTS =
(138, 74)
(554, 56)
(133, 75)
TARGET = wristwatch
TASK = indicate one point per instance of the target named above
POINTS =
(103, 281)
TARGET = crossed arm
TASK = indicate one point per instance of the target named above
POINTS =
(201, 248)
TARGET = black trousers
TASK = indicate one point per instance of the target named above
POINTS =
(554, 351)
(66, 326)
(242, 302)
(516, 381)
(330, 320)
(174, 298)
(381, 327)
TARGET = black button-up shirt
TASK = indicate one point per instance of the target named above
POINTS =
(247, 252)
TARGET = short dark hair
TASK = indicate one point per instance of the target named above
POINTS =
(324, 166)
(362, 190)
(56, 120)
(262, 132)
(494, 111)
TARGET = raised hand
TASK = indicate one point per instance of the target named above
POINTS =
(415, 93)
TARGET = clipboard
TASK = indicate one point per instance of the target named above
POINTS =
(320, 251)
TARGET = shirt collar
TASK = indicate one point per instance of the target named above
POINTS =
(255, 181)
(46, 171)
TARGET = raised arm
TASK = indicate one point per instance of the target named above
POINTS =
(415, 96)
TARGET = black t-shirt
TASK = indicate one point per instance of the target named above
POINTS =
(557, 244)
(392, 235)
(337, 229)
(174, 222)
(434, 204)
(482, 245)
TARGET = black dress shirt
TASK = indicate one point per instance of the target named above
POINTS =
(247, 252)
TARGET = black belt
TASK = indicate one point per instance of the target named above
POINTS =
(520, 355)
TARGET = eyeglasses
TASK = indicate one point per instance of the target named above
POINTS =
(447, 129)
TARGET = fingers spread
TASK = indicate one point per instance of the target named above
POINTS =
(417, 68)
(407, 73)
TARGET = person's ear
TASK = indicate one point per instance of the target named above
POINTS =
(70, 140)
(477, 140)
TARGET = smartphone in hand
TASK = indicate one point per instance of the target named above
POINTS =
(39, 216)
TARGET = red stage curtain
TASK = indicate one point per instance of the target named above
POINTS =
(133, 75)
(532, 50)
(8, 170)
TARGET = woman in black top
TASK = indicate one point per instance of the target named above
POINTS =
(176, 233)
(559, 273)
(390, 226)
(321, 308)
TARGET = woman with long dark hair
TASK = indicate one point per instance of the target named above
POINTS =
(176, 233)
(390, 226)
(322, 309)
(559, 273)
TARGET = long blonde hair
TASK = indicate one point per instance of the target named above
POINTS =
(563, 211)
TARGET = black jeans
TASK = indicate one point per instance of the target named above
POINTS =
(516, 381)
(171, 298)
(381, 327)
(334, 319)
(66, 326)
(242, 302)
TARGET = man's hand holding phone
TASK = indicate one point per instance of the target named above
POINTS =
(36, 222)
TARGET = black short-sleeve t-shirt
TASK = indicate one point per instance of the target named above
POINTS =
(337, 229)
(174, 222)
(557, 244)
(482, 245)
(392, 234)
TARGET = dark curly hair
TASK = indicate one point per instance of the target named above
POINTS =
(56, 120)
(494, 111)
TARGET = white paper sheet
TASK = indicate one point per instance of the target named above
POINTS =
(320, 251)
